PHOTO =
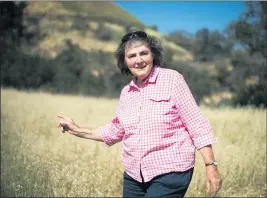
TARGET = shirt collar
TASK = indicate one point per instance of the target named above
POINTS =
(151, 79)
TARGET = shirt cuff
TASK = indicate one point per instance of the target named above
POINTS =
(204, 141)
(104, 133)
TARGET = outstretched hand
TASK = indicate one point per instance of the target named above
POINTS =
(67, 124)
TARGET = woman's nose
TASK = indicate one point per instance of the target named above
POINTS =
(138, 59)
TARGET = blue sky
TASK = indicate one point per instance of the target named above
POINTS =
(188, 16)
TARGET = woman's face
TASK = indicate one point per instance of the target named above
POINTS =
(139, 59)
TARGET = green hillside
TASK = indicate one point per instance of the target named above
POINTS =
(107, 11)
(74, 50)
(68, 47)
(92, 26)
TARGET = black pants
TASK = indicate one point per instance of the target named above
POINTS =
(174, 184)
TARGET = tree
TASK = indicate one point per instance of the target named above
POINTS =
(250, 31)
(11, 27)
(251, 28)
(211, 45)
(182, 38)
(14, 33)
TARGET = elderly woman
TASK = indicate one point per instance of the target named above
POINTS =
(158, 122)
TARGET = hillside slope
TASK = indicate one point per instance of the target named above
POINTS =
(107, 11)
(91, 25)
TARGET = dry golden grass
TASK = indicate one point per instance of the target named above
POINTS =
(100, 10)
(115, 27)
(38, 160)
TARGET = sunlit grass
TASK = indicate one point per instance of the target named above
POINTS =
(38, 160)
(91, 9)
(115, 27)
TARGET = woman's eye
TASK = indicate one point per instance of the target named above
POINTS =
(144, 53)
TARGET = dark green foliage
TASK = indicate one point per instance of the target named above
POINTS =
(74, 71)
(26, 71)
(70, 72)
(244, 67)
(103, 33)
(211, 45)
(251, 32)
(11, 27)
(168, 56)
(223, 73)
(118, 81)
(14, 28)
(251, 28)
(80, 25)
(18, 68)
(254, 95)
(77, 71)
(182, 38)
(11, 20)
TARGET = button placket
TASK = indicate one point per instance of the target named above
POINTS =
(139, 131)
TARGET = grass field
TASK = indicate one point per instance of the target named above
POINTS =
(38, 160)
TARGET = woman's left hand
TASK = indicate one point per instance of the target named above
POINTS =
(214, 182)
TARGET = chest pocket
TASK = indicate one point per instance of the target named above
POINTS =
(160, 104)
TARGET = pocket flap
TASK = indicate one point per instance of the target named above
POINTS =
(160, 97)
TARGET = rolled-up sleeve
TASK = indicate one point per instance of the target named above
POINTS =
(113, 132)
(197, 125)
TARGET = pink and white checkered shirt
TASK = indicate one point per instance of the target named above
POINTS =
(160, 126)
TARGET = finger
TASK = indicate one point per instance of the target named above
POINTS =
(63, 117)
(214, 189)
(217, 184)
(72, 132)
(220, 184)
(208, 186)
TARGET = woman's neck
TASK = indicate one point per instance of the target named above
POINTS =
(139, 82)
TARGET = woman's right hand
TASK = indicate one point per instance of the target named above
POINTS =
(67, 124)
